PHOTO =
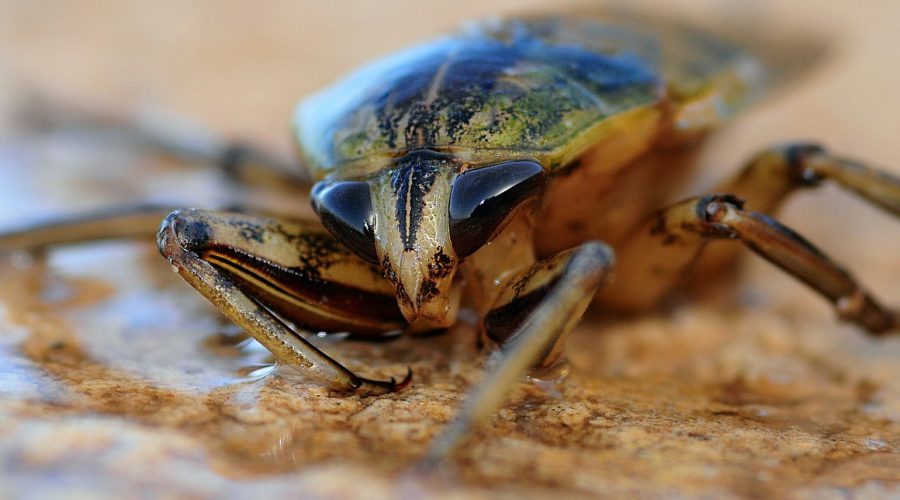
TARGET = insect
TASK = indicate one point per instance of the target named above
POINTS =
(509, 168)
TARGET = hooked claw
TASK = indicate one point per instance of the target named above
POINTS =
(382, 387)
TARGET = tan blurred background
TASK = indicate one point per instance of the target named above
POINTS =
(784, 399)
(241, 66)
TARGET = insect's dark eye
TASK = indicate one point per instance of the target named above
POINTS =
(482, 198)
(345, 209)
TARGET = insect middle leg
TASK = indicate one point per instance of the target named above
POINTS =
(654, 259)
(138, 221)
(249, 266)
(529, 320)
(771, 176)
(176, 136)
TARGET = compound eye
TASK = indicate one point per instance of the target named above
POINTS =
(345, 209)
(482, 198)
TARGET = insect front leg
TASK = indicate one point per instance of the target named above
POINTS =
(654, 259)
(249, 266)
(134, 221)
(529, 320)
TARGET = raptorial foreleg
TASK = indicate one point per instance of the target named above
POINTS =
(249, 266)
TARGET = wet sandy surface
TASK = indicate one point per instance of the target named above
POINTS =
(116, 378)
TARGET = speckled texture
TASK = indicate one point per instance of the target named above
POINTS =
(117, 379)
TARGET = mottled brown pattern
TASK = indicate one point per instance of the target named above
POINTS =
(391, 275)
(441, 264)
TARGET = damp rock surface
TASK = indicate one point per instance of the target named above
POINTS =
(118, 380)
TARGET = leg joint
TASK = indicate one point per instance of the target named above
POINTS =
(233, 157)
(712, 209)
(797, 157)
(185, 229)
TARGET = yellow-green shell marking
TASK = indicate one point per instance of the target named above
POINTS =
(506, 89)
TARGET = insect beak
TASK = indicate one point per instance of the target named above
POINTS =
(412, 239)
(423, 289)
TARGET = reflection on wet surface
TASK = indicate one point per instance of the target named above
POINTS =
(149, 350)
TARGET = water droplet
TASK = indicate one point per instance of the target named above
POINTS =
(330, 336)
(20, 259)
(262, 371)
(550, 387)
(56, 291)
(875, 444)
